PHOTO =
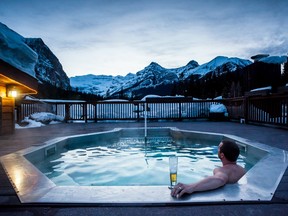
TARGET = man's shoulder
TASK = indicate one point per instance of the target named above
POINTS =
(231, 168)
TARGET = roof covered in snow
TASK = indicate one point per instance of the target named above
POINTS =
(15, 52)
(274, 59)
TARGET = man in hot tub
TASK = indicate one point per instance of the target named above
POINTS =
(229, 173)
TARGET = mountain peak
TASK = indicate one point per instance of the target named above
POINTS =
(217, 62)
(221, 60)
(192, 64)
(154, 65)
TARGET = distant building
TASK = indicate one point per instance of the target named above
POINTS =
(263, 77)
(265, 71)
(257, 57)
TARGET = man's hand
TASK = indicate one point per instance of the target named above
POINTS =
(210, 183)
(181, 189)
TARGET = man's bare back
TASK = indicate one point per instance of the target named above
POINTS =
(233, 171)
(229, 173)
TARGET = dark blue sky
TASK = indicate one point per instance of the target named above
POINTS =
(115, 37)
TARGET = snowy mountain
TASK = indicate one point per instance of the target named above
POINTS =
(218, 64)
(48, 68)
(150, 78)
(153, 79)
(99, 84)
(31, 56)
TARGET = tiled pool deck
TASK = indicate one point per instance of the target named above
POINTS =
(10, 204)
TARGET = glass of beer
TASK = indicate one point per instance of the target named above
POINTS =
(173, 164)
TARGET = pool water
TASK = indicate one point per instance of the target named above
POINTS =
(133, 162)
(118, 167)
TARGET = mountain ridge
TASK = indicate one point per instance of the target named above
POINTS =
(153, 77)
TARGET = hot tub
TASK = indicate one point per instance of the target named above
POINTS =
(33, 186)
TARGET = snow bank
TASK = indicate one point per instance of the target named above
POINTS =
(28, 123)
(218, 108)
(39, 119)
(46, 117)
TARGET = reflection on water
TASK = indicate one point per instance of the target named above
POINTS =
(132, 161)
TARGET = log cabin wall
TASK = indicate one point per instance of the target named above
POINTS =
(6, 112)
(7, 116)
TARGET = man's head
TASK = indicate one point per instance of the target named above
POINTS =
(230, 150)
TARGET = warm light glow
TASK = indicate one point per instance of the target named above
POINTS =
(13, 93)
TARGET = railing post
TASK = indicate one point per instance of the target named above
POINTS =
(56, 109)
(67, 112)
(180, 111)
(18, 113)
(286, 110)
(85, 112)
(138, 112)
(246, 104)
(95, 112)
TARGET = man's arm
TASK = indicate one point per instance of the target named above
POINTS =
(209, 183)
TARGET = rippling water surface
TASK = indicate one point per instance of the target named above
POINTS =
(132, 161)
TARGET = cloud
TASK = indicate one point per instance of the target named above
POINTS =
(117, 37)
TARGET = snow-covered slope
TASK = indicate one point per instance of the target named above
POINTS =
(232, 64)
(152, 76)
(101, 84)
(15, 51)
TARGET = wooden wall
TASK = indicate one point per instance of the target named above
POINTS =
(7, 124)
(7, 116)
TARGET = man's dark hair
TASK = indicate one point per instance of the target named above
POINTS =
(230, 149)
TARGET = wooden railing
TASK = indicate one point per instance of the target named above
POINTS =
(173, 109)
(268, 110)
(271, 109)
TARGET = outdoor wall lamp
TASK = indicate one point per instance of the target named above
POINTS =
(11, 91)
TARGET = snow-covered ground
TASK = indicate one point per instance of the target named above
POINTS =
(39, 119)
